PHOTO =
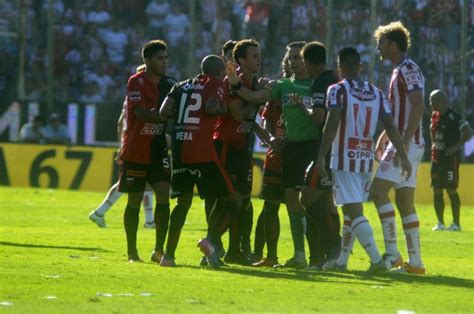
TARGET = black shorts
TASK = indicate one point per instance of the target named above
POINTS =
(445, 173)
(134, 176)
(314, 181)
(296, 159)
(238, 163)
(211, 179)
(272, 188)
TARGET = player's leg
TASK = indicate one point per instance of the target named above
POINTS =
(246, 225)
(209, 204)
(216, 183)
(452, 185)
(259, 242)
(132, 181)
(110, 199)
(148, 207)
(437, 184)
(178, 217)
(159, 180)
(379, 194)
(456, 209)
(439, 208)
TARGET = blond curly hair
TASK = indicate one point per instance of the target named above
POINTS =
(396, 32)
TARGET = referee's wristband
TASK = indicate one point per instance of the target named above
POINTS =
(236, 87)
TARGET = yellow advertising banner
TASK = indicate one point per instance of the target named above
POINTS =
(94, 169)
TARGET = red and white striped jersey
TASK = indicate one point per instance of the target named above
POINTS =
(406, 77)
(361, 105)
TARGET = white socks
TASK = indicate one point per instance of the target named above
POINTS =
(363, 231)
(112, 196)
(347, 242)
(411, 227)
(389, 227)
(148, 206)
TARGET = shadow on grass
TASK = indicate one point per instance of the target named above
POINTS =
(295, 274)
(350, 277)
(43, 246)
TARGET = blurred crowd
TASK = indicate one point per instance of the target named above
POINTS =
(97, 42)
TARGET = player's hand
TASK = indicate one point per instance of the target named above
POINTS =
(406, 168)
(231, 72)
(379, 150)
(451, 150)
(321, 166)
(276, 145)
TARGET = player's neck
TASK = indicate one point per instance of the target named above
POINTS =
(443, 110)
(248, 75)
(302, 76)
(319, 69)
(398, 58)
(152, 77)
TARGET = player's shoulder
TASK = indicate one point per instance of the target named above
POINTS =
(137, 79)
(408, 66)
(168, 80)
(453, 115)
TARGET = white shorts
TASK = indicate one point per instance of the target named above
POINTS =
(350, 187)
(389, 172)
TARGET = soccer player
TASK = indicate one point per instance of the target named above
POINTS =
(232, 139)
(448, 134)
(144, 154)
(301, 133)
(268, 223)
(324, 225)
(195, 104)
(354, 107)
(98, 215)
(406, 96)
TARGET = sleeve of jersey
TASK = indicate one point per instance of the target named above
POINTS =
(463, 124)
(412, 77)
(319, 97)
(384, 105)
(334, 97)
(135, 94)
(276, 90)
(174, 92)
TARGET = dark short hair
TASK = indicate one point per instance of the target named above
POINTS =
(349, 56)
(240, 49)
(212, 64)
(152, 47)
(314, 52)
(228, 45)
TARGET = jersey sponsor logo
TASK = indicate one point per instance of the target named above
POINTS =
(307, 101)
(221, 93)
(141, 81)
(361, 94)
(193, 172)
(152, 129)
(245, 127)
(319, 98)
(360, 148)
(134, 96)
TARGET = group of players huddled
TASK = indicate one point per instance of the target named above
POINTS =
(318, 125)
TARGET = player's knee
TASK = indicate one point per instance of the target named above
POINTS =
(452, 192)
(185, 200)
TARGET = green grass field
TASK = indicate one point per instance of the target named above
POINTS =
(53, 259)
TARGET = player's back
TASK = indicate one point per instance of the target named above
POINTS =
(362, 103)
(193, 126)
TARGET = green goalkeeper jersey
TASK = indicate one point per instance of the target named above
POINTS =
(299, 126)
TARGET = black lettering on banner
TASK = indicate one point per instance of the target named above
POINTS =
(85, 158)
(36, 170)
(4, 179)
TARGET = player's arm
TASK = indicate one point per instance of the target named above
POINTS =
(168, 108)
(266, 137)
(334, 105)
(418, 107)
(257, 97)
(120, 126)
(136, 101)
(239, 110)
(394, 136)
(466, 134)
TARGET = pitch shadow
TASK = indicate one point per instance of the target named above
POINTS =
(42, 246)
